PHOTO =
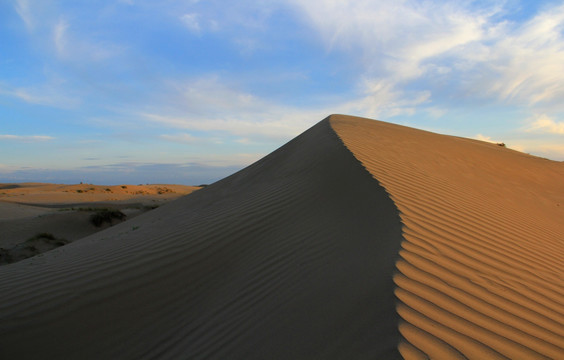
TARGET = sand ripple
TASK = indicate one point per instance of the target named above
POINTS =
(482, 266)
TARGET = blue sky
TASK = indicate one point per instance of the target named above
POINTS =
(170, 91)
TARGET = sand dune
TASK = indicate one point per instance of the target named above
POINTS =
(481, 273)
(356, 240)
(291, 258)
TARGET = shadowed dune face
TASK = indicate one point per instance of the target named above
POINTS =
(291, 258)
(482, 265)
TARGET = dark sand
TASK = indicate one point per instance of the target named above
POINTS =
(291, 258)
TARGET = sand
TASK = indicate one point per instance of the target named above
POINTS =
(481, 274)
(356, 240)
(27, 209)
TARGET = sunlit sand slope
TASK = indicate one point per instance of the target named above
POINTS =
(291, 258)
(481, 274)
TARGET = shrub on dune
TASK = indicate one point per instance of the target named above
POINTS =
(106, 216)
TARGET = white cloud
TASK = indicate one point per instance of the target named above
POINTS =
(397, 43)
(551, 151)
(79, 46)
(472, 51)
(60, 31)
(180, 138)
(49, 94)
(484, 138)
(381, 100)
(28, 138)
(24, 11)
(236, 124)
(538, 147)
(527, 60)
(191, 22)
(59, 36)
(208, 104)
(244, 141)
(543, 123)
(396, 37)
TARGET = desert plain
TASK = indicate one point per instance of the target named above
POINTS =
(358, 239)
(65, 212)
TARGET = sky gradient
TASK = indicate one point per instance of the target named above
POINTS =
(188, 92)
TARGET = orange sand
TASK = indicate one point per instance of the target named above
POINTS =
(481, 273)
(28, 209)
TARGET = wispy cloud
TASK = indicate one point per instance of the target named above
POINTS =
(545, 124)
(531, 145)
(551, 151)
(24, 11)
(283, 127)
(49, 94)
(538, 147)
(398, 45)
(180, 138)
(483, 53)
(485, 138)
(395, 38)
(191, 22)
(526, 60)
(210, 105)
(381, 99)
(423, 57)
(80, 46)
(26, 138)
(59, 36)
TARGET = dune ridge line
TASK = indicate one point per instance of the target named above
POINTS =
(292, 257)
(481, 269)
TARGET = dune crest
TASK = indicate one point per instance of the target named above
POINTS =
(481, 274)
(290, 258)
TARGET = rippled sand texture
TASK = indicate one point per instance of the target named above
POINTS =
(450, 247)
(291, 258)
(481, 274)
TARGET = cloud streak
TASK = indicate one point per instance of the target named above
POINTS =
(180, 138)
(23, 9)
(403, 41)
(28, 138)
(210, 105)
(395, 38)
(48, 94)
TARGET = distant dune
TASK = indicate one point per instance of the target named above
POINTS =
(64, 211)
(356, 240)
